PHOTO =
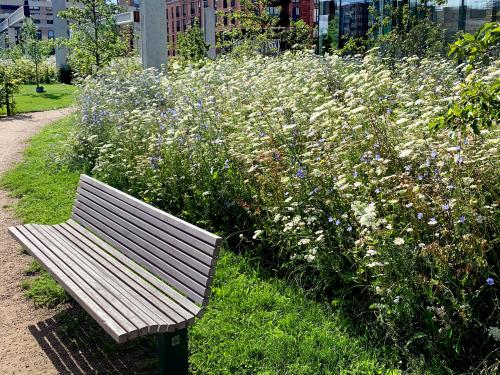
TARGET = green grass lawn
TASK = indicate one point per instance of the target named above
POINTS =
(55, 96)
(253, 324)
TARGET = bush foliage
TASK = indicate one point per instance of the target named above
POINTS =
(328, 170)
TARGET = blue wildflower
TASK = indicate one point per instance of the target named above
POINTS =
(462, 219)
(337, 222)
(490, 281)
(433, 154)
(420, 215)
(355, 174)
(330, 219)
(300, 173)
(349, 228)
(445, 207)
(377, 190)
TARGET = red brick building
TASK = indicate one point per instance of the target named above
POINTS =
(181, 14)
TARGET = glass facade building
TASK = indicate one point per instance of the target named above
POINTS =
(341, 19)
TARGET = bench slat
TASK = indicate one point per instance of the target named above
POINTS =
(163, 306)
(32, 245)
(153, 280)
(152, 225)
(104, 227)
(117, 287)
(148, 242)
(188, 229)
(122, 314)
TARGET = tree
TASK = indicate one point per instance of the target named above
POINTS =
(253, 27)
(297, 36)
(95, 38)
(9, 84)
(33, 48)
(478, 106)
(191, 44)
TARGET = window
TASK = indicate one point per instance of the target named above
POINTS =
(224, 4)
(233, 3)
(50, 34)
(178, 25)
(225, 21)
(50, 22)
(316, 15)
(37, 21)
(177, 13)
(184, 12)
(193, 10)
(295, 13)
(273, 11)
(295, 1)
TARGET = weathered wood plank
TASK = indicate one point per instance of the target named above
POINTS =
(168, 310)
(182, 225)
(149, 244)
(116, 287)
(151, 229)
(83, 275)
(150, 278)
(32, 245)
(104, 227)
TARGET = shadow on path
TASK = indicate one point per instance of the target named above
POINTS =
(75, 344)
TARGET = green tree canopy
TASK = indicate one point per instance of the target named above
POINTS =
(32, 47)
(191, 44)
(95, 38)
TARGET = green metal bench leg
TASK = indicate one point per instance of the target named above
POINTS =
(173, 351)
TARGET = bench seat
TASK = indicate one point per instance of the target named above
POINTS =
(135, 269)
(125, 300)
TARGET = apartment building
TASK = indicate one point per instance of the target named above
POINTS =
(40, 11)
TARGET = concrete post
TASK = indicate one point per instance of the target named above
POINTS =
(153, 33)
(209, 30)
(60, 31)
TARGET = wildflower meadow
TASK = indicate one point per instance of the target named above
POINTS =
(325, 169)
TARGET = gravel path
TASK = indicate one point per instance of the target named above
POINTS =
(20, 352)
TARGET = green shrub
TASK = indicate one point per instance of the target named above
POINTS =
(27, 71)
(326, 169)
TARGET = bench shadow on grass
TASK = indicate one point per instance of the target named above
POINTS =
(45, 95)
(75, 344)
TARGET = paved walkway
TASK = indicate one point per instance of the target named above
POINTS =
(20, 352)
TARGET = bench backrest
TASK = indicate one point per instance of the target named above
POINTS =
(179, 253)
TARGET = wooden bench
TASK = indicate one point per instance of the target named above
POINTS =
(135, 269)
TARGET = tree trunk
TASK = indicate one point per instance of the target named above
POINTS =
(36, 73)
(7, 100)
